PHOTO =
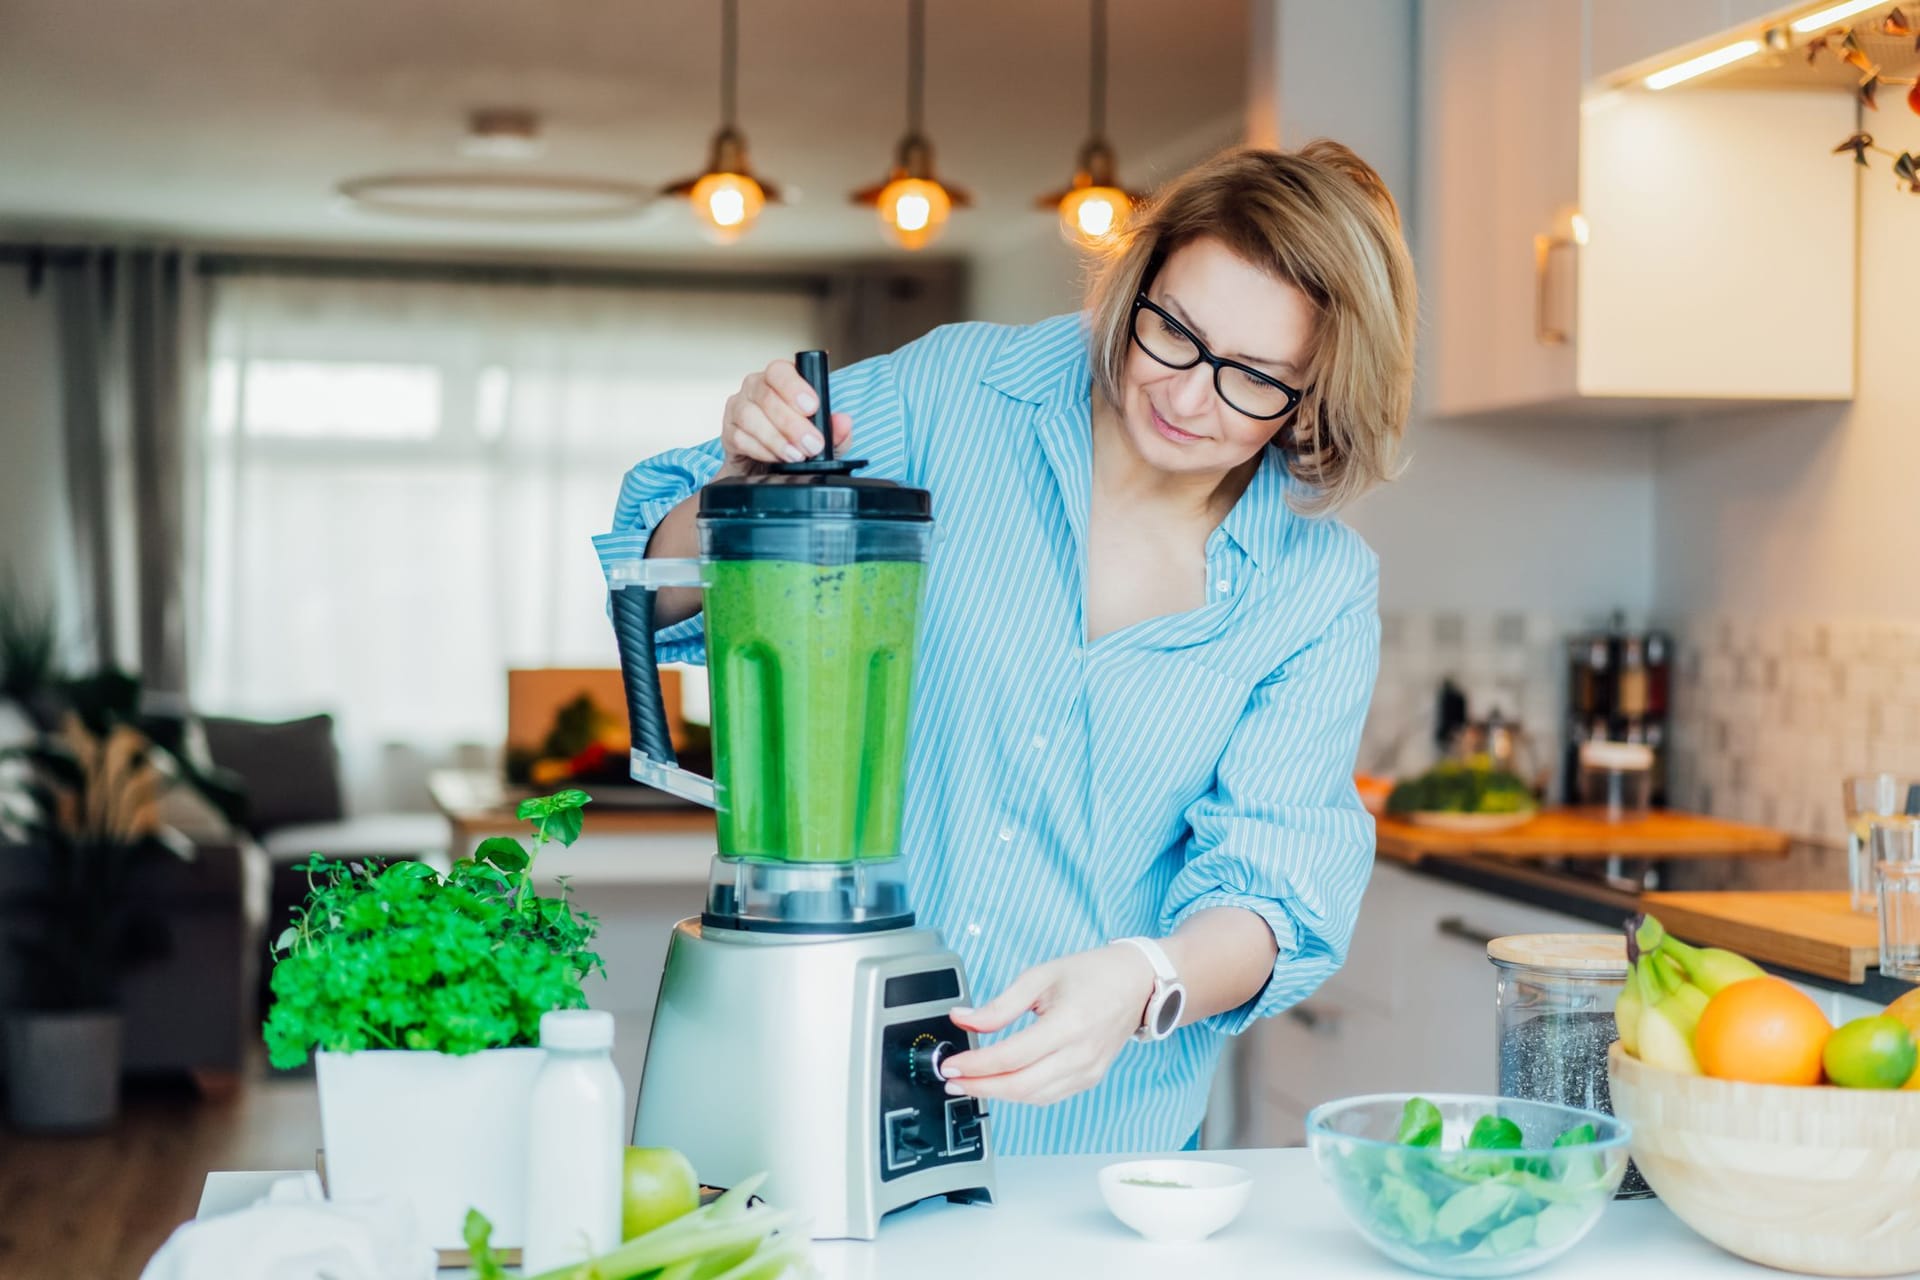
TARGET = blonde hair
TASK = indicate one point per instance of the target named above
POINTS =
(1321, 220)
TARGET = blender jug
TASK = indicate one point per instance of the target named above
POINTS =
(812, 581)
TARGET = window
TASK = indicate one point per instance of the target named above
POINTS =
(400, 481)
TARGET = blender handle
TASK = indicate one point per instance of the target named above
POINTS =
(652, 761)
(640, 674)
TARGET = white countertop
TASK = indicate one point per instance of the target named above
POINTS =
(1049, 1221)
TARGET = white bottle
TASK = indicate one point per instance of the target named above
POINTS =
(576, 1150)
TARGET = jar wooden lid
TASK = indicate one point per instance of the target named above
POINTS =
(1598, 954)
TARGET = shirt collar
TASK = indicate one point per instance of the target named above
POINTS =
(1260, 522)
(1049, 363)
(1044, 363)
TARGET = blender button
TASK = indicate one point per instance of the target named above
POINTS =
(1006, 835)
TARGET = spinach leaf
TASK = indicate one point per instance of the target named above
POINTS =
(1578, 1136)
(1495, 1133)
(1473, 1208)
(1420, 1124)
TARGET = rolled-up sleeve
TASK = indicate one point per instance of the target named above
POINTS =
(1282, 832)
(868, 391)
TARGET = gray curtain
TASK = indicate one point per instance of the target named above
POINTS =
(132, 342)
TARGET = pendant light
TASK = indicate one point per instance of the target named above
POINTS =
(1094, 207)
(912, 203)
(727, 197)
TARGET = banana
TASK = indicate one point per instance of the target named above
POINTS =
(1673, 1008)
(1710, 968)
(1627, 1011)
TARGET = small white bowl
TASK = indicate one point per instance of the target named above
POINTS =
(1172, 1201)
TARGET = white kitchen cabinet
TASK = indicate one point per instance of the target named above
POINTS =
(1412, 1010)
(1666, 291)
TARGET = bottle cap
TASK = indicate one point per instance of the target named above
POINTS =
(579, 1029)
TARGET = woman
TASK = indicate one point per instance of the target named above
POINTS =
(1146, 652)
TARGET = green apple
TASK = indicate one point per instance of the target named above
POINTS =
(657, 1185)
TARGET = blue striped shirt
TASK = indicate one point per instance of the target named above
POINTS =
(1063, 793)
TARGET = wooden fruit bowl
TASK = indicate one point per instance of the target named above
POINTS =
(1821, 1180)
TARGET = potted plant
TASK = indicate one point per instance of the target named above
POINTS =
(81, 812)
(420, 997)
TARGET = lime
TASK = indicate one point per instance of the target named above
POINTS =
(1877, 1052)
(657, 1185)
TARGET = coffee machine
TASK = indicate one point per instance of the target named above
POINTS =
(803, 1017)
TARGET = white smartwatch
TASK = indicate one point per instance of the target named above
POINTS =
(1169, 998)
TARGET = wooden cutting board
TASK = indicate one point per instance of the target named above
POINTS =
(1585, 833)
(1816, 933)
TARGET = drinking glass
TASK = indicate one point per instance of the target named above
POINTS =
(1866, 797)
(1894, 844)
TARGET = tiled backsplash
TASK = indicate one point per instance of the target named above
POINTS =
(1511, 662)
(1770, 715)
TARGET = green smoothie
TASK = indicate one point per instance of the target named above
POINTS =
(811, 669)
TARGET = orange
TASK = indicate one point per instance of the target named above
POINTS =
(1907, 1007)
(1762, 1030)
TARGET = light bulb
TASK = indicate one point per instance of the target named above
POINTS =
(914, 210)
(1091, 215)
(727, 204)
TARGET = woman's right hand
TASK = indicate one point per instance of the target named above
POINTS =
(770, 419)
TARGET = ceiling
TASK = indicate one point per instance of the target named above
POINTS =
(231, 120)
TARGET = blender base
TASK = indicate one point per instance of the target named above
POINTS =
(813, 1058)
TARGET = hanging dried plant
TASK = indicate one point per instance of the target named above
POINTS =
(1816, 47)
(1859, 144)
(1868, 89)
(1907, 169)
(1896, 24)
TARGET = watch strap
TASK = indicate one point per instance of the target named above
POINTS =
(1156, 956)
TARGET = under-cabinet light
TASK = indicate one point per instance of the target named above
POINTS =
(1701, 65)
(1831, 14)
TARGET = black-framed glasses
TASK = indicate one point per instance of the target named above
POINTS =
(1245, 390)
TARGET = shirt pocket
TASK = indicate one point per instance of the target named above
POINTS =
(1160, 721)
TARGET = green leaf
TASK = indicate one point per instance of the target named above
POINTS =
(1406, 1206)
(1578, 1136)
(534, 808)
(478, 1233)
(1420, 1124)
(1495, 1133)
(288, 936)
(1472, 1208)
(1510, 1238)
(503, 852)
(564, 826)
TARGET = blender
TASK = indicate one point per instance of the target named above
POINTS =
(802, 1017)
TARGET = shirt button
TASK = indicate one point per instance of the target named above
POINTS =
(1039, 742)
(973, 930)
(1223, 586)
(1006, 835)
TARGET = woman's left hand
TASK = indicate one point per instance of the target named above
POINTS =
(1086, 1006)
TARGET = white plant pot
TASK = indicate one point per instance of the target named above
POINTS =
(444, 1133)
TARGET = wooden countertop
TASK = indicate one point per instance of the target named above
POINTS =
(1816, 933)
(1580, 833)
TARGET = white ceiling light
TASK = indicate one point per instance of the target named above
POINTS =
(496, 197)
(499, 134)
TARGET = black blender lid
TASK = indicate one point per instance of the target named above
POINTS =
(820, 486)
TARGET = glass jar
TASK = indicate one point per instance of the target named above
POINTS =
(1553, 1001)
(1617, 778)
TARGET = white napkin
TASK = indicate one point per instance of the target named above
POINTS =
(296, 1233)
